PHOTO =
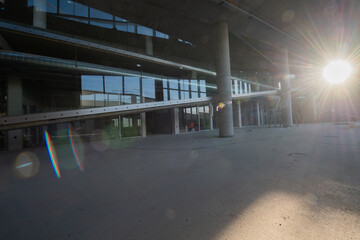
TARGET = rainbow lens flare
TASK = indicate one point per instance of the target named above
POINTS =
(74, 149)
(52, 154)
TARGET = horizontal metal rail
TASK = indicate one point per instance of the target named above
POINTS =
(29, 120)
(106, 48)
(254, 94)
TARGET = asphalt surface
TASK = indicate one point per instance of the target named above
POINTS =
(299, 183)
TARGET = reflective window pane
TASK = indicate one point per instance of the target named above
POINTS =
(66, 7)
(184, 84)
(202, 86)
(94, 13)
(144, 30)
(165, 83)
(174, 95)
(92, 83)
(81, 10)
(165, 94)
(173, 83)
(194, 85)
(113, 84)
(132, 85)
(121, 27)
(131, 27)
(148, 88)
(51, 6)
(194, 94)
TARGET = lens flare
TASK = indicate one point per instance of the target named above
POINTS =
(337, 71)
(52, 154)
(26, 165)
(75, 149)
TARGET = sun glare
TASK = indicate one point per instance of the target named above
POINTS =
(337, 71)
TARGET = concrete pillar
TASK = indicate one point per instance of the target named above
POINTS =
(211, 113)
(143, 124)
(262, 114)
(39, 14)
(198, 116)
(258, 113)
(286, 108)
(238, 122)
(119, 126)
(15, 138)
(176, 121)
(224, 84)
(149, 45)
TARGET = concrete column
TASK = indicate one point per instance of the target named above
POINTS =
(143, 124)
(211, 113)
(286, 108)
(119, 126)
(262, 114)
(176, 121)
(39, 14)
(223, 74)
(258, 113)
(198, 116)
(149, 45)
(15, 138)
(239, 122)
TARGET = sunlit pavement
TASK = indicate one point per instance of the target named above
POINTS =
(299, 183)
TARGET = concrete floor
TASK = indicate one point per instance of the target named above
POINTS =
(299, 183)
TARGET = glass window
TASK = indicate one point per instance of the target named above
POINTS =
(202, 85)
(165, 92)
(174, 94)
(81, 10)
(240, 87)
(236, 87)
(100, 100)
(194, 94)
(165, 81)
(173, 83)
(94, 13)
(66, 7)
(202, 95)
(161, 35)
(194, 85)
(131, 27)
(51, 6)
(92, 83)
(113, 100)
(144, 30)
(113, 84)
(105, 19)
(122, 27)
(118, 19)
(132, 85)
(185, 95)
(184, 84)
(126, 99)
(148, 88)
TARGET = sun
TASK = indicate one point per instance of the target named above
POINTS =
(337, 72)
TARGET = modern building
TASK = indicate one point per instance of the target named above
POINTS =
(135, 68)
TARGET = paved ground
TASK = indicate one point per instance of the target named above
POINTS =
(300, 183)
